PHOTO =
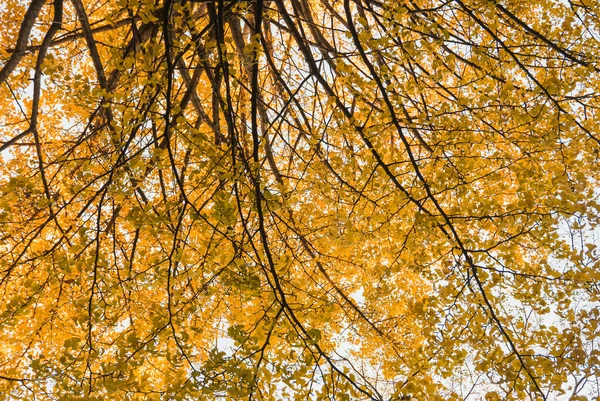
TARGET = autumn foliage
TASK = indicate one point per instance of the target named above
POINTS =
(299, 200)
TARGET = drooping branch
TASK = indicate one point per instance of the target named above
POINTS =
(24, 34)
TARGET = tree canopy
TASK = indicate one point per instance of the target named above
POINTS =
(299, 199)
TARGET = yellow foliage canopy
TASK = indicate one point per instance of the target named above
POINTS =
(299, 199)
